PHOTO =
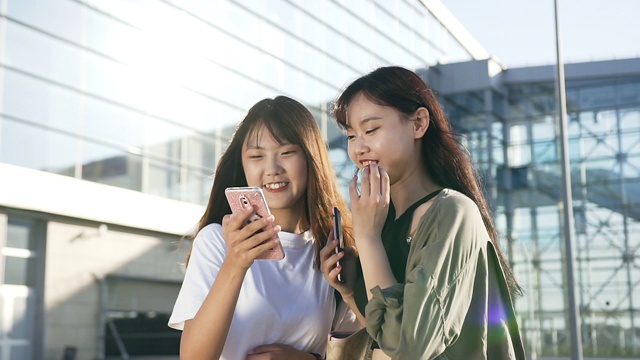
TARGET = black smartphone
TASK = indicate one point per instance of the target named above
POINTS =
(337, 233)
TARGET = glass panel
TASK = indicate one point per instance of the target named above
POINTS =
(23, 316)
(16, 271)
(55, 152)
(19, 235)
(52, 60)
(164, 180)
(597, 97)
(198, 187)
(112, 37)
(114, 125)
(202, 152)
(57, 108)
(59, 17)
(21, 352)
(630, 119)
(110, 166)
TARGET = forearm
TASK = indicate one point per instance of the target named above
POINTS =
(351, 303)
(204, 336)
(375, 265)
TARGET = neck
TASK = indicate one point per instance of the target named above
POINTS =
(412, 187)
(291, 219)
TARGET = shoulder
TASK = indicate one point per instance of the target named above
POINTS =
(209, 231)
(209, 237)
(453, 203)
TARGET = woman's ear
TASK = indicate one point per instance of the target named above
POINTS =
(421, 122)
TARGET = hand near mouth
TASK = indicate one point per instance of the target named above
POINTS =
(370, 208)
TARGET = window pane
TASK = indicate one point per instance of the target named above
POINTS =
(164, 180)
(54, 152)
(16, 271)
(111, 166)
(18, 235)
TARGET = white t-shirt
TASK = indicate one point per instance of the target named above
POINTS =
(281, 301)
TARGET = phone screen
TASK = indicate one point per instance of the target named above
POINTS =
(337, 233)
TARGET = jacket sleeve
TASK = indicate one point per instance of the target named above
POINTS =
(421, 317)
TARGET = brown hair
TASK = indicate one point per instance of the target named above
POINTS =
(288, 121)
(445, 159)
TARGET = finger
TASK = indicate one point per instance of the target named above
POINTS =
(226, 220)
(263, 242)
(261, 349)
(328, 248)
(245, 242)
(330, 263)
(232, 222)
(353, 188)
(374, 179)
(257, 224)
(237, 220)
(332, 275)
(256, 356)
(385, 186)
(365, 190)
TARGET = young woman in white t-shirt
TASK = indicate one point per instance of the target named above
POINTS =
(233, 307)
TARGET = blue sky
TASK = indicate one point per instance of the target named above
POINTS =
(521, 32)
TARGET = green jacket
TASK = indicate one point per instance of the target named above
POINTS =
(454, 302)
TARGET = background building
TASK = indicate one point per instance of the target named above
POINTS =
(508, 117)
(113, 114)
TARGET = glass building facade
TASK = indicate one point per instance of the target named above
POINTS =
(143, 95)
(113, 114)
(509, 121)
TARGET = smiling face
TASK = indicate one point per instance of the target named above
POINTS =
(381, 134)
(280, 169)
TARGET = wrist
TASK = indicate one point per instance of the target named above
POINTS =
(232, 269)
(347, 296)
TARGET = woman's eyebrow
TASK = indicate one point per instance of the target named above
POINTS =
(367, 120)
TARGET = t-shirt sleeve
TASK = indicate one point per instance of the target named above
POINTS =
(419, 318)
(207, 256)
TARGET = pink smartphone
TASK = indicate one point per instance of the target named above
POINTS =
(240, 198)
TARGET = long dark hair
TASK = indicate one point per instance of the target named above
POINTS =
(445, 159)
(288, 121)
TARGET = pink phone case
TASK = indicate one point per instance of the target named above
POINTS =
(241, 197)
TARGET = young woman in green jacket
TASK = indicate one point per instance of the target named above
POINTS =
(431, 280)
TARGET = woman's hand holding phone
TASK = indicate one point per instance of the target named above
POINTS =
(246, 243)
(250, 198)
(329, 260)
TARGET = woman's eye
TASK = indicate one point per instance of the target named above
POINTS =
(370, 131)
(289, 152)
(255, 156)
(350, 137)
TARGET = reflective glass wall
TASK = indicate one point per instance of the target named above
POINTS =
(510, 130)
(144, 94)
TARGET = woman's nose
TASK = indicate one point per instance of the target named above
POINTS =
(273, 167)
(359, 146)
